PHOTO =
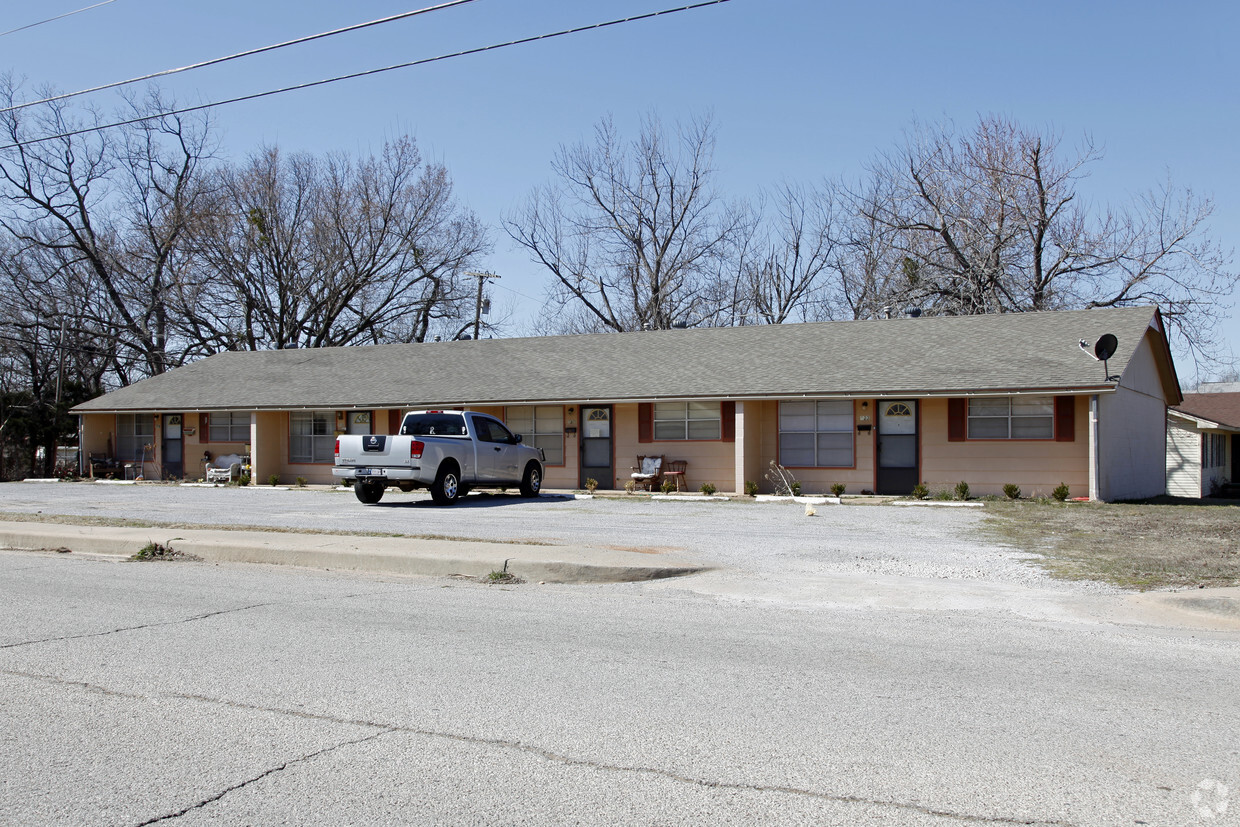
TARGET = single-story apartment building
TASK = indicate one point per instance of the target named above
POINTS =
(875, 405)
(1202, 434)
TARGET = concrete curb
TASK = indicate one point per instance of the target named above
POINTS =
(383, 555)
(937, 504)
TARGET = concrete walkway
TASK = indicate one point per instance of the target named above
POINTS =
(384, 555)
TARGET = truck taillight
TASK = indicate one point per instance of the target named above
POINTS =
(415, 449)
(337, 447)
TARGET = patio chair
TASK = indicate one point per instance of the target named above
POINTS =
(101, 465)
(225, 468)
(676, 470)
(647, 471)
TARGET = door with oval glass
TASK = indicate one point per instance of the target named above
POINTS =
(897, 470)
(596, 453)
(173, 465)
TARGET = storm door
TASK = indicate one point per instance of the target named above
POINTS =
(897, 471)
(596, 453)
(173, 464)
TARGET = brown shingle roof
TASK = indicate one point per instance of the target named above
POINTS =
(1223, 408)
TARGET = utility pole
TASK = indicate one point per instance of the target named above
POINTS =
(482, 277)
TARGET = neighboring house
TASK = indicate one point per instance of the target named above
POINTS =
(876, 405)
(1202, 434)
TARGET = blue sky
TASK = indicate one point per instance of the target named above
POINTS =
(799, 89)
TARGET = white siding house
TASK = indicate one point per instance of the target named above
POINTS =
(1200, 461)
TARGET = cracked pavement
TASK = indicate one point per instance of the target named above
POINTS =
(190, 693)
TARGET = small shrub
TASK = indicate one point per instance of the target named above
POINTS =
(962, 490)
(942, 495)
(243, 480)
(667, 486)
(751, 488)
(1061, 492)
(301, 482)
(158, 551)
(708, 488)
(837, 489)
(273, 480)
(1012, 492)
(796, 488)
(630, 486)
(920, 491)
(501, 577)
(591, 485)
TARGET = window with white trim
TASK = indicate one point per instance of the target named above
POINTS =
(229, 426)
(1213, 451)
(541, 427)
(816, 434)
(133, 432)
(312, 437)
(1012, 417)
(687, 420)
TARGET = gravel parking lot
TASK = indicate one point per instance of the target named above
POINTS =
(760, 548)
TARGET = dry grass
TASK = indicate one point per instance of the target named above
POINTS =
(1162, 544)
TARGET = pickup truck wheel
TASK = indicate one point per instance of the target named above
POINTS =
(531, 483)
(368, 492)
(447, 486)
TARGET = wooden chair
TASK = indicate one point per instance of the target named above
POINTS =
(676, 470)
(647, 471)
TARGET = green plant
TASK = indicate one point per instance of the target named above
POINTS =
(1012, 492)
(243, 480)
(274, 479)
(591, 485)
(630, 486)
(667, 486)
(751, 488)
(942, 495)
(796, 488)
(962, 490)
(838, 489)
(920, 491)
(1061, 492)
(301, 482)
(708, 488)
(498, 577)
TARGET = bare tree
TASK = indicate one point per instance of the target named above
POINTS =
(992, 221)
(111, 206)
(633, 233)
(300, 251)
(783, 268)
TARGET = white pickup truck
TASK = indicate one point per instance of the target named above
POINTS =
(448, 452)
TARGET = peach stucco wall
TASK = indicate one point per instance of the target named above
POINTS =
(1037, 466)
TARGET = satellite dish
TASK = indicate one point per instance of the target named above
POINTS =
(1106, 346)
(1103, 350)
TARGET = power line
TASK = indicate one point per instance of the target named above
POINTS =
(246, 53)
(338, 78)
(57, 17)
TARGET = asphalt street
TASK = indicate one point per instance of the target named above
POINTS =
(188, 693)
